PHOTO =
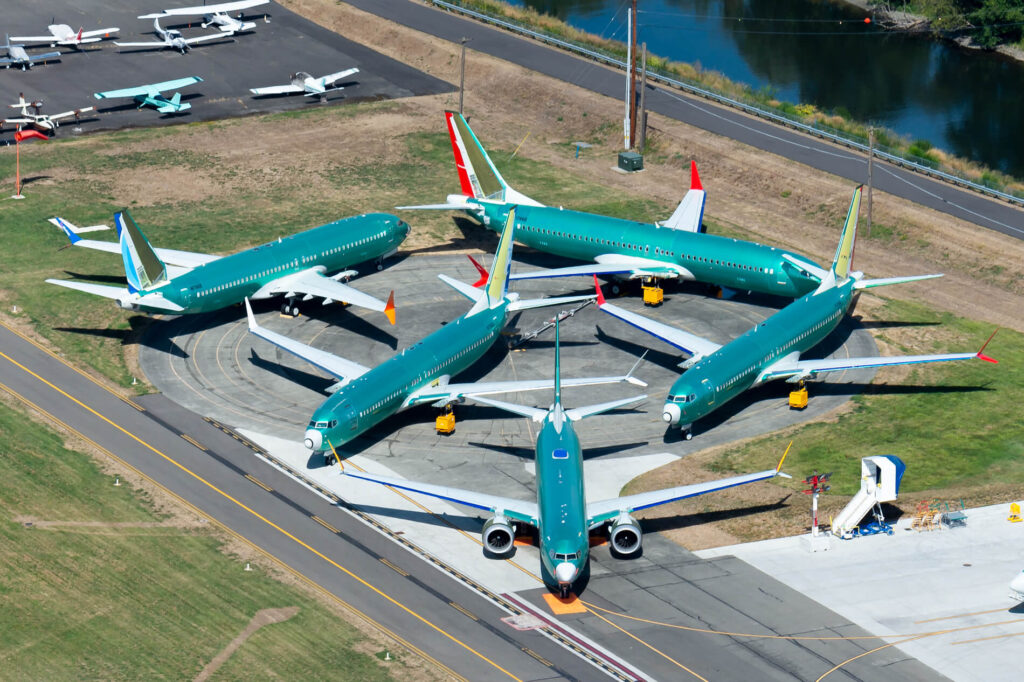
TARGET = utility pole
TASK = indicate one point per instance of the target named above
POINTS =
(642, 142)
(627, 132)
(632, 82)
(462, 74)
(871, 163)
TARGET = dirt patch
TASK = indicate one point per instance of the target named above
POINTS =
(263, 617)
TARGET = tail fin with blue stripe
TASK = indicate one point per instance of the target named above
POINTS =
(142, 266)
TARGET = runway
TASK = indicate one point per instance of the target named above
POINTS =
(278, 47)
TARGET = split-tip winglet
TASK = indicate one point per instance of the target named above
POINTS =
(694, 177)
(981, 353)
(600, 296)
(481, 270)
(389, 308)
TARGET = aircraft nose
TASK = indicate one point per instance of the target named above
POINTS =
(314, 439)
(672, 413)
(565, 572)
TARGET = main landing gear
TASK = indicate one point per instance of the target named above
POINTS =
(290, 308)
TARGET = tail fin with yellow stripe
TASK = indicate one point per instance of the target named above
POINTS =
(843, 260)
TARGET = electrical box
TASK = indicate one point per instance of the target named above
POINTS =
(631, 161)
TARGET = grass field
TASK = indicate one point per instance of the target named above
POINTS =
(135, 594)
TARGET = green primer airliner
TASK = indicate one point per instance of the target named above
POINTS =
(561, 514)
(421, 373)
(182, 282)
(715, 374)
(676, 248)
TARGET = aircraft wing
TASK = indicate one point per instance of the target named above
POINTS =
(312, 282)
(99, 33)
(161, 43)
(206, 9)
(689, 214)
(343, 369)
(795, 370)
(276, 90)
(151, 89)
(33, 39)
(448, 393)
(608, 510)
(608, 266)
(685, 341)
(203, 39)
(331, 78)
(74, 112)
(520, 510)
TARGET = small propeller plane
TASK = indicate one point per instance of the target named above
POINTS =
(17, 56)
(306, 84)
(215, 15)
(715, 373)
(563, 517)
(152, 95)
(172, 38)
(62, 34)
(364, 396)
(48, 123)
(182, 282)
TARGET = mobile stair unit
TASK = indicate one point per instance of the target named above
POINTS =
(880, 478)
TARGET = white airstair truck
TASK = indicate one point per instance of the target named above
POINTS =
(880, 478)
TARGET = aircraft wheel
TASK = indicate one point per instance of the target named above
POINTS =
(615, 289)
(380, 266)
(688, 435)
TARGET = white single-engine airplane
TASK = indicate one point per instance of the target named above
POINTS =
(215, 15)
(61, 34)
(151, 95)
(172, 38)
(44, 122)
(306, 84)
(17, 55)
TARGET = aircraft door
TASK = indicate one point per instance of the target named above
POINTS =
(710, 390)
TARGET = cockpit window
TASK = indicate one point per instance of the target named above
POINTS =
(321, 425)
(559, 453)
(566, 557)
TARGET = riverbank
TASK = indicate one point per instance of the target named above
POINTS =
(836, 122)
(919, 23)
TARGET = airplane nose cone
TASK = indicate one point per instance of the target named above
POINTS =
(314, 440)
(672, 413)
(565, 572)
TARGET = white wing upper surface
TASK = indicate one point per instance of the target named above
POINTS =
(343, 369)
(799, 369)
(276, 90)
(206, 9)
(452, 392)
(606, 510)
(313, 282)
(521, 510)
(333, 77)
(684, 341)
(149, 89)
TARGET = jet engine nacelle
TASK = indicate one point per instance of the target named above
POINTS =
(625, 535)
(498, 535)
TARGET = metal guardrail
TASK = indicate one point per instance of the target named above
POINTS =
(736, 104)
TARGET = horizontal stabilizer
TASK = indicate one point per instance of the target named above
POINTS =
(530, 303)
(441, 207)
(89, 288)
(810, 269)
(467, 290)
(870, 283)
(577, 413)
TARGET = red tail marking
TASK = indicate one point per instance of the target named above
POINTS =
(694, 176)
(981, 352)
(79, 36)
(389, 308)
(460, 163)
(484, 276)
(600, 295)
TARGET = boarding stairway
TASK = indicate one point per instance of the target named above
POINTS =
(879, 482)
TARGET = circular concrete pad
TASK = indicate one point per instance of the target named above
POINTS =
(213, 366)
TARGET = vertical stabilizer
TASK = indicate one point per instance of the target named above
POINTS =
(142, 267)
(477, 175)
(843, 259)
(497, 280)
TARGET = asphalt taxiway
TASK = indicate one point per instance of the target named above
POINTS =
(281, 44)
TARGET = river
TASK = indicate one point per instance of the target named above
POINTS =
(968, 102)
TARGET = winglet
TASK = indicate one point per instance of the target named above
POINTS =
(778, 469)
(79, 36)
(694, 177)
(629, 375)
(981, 353)
(481, 270)
(67, 230)
(600, 296)
(248, 314)
(389, 308)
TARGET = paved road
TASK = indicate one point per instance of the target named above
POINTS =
(434, 614)
(824, 156)
(266, 56)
